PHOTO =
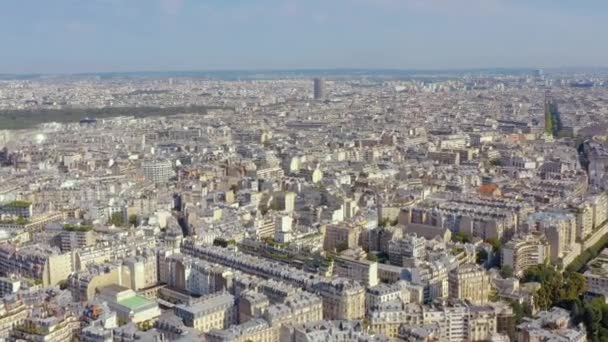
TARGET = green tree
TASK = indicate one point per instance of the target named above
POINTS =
(506, 271)
(220, 242)
(133, 220)
(384, 222)
(496, 244)
(462, 237)
(574, 284)
(116, 219)
(592, 318)
(518, 310)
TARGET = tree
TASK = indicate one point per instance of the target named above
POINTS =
(518, 310)
(506, 271)
(573, 285)
(220, 242)
(372, 257)
(384, 222)
(496, 244)
(462, 237)
(116, 219)
(133, 220)
(592, 319)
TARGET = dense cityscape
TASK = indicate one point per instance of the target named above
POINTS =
(464, 207)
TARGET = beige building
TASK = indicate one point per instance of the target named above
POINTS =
(353, 264)
(462, 322)
(560, 230)
(285, 201)
(583, 213)
(50, 329)
(143, 270)
(600, 209)
(522, 253)
(84, 284)
(129, 306)
(389, 320)
(400, 291)
(251, 304)
(214, 312)
(341, 236)
(301, 308)
(597, 274)
(342, 300)
(255, 330)
(37, 262)
(12, 314)
(470, 282)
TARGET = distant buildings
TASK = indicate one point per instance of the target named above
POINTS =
(257, 212)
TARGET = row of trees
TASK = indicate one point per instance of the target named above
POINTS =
(579, 263)
(553, 123)
(27, 118)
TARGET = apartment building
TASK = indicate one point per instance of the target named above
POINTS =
(470, 282)
(353, 264)
(213, 312)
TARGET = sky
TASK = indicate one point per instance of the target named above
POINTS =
(73, 36)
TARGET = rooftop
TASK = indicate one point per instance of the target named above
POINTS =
(135, 302)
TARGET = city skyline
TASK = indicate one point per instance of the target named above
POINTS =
(166, 35)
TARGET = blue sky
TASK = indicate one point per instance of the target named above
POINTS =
(58, 36)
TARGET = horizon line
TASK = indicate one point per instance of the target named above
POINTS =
(304, 69)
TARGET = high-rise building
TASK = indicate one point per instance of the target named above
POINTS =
(319, 91)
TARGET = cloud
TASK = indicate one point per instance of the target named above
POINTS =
(172, 7)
